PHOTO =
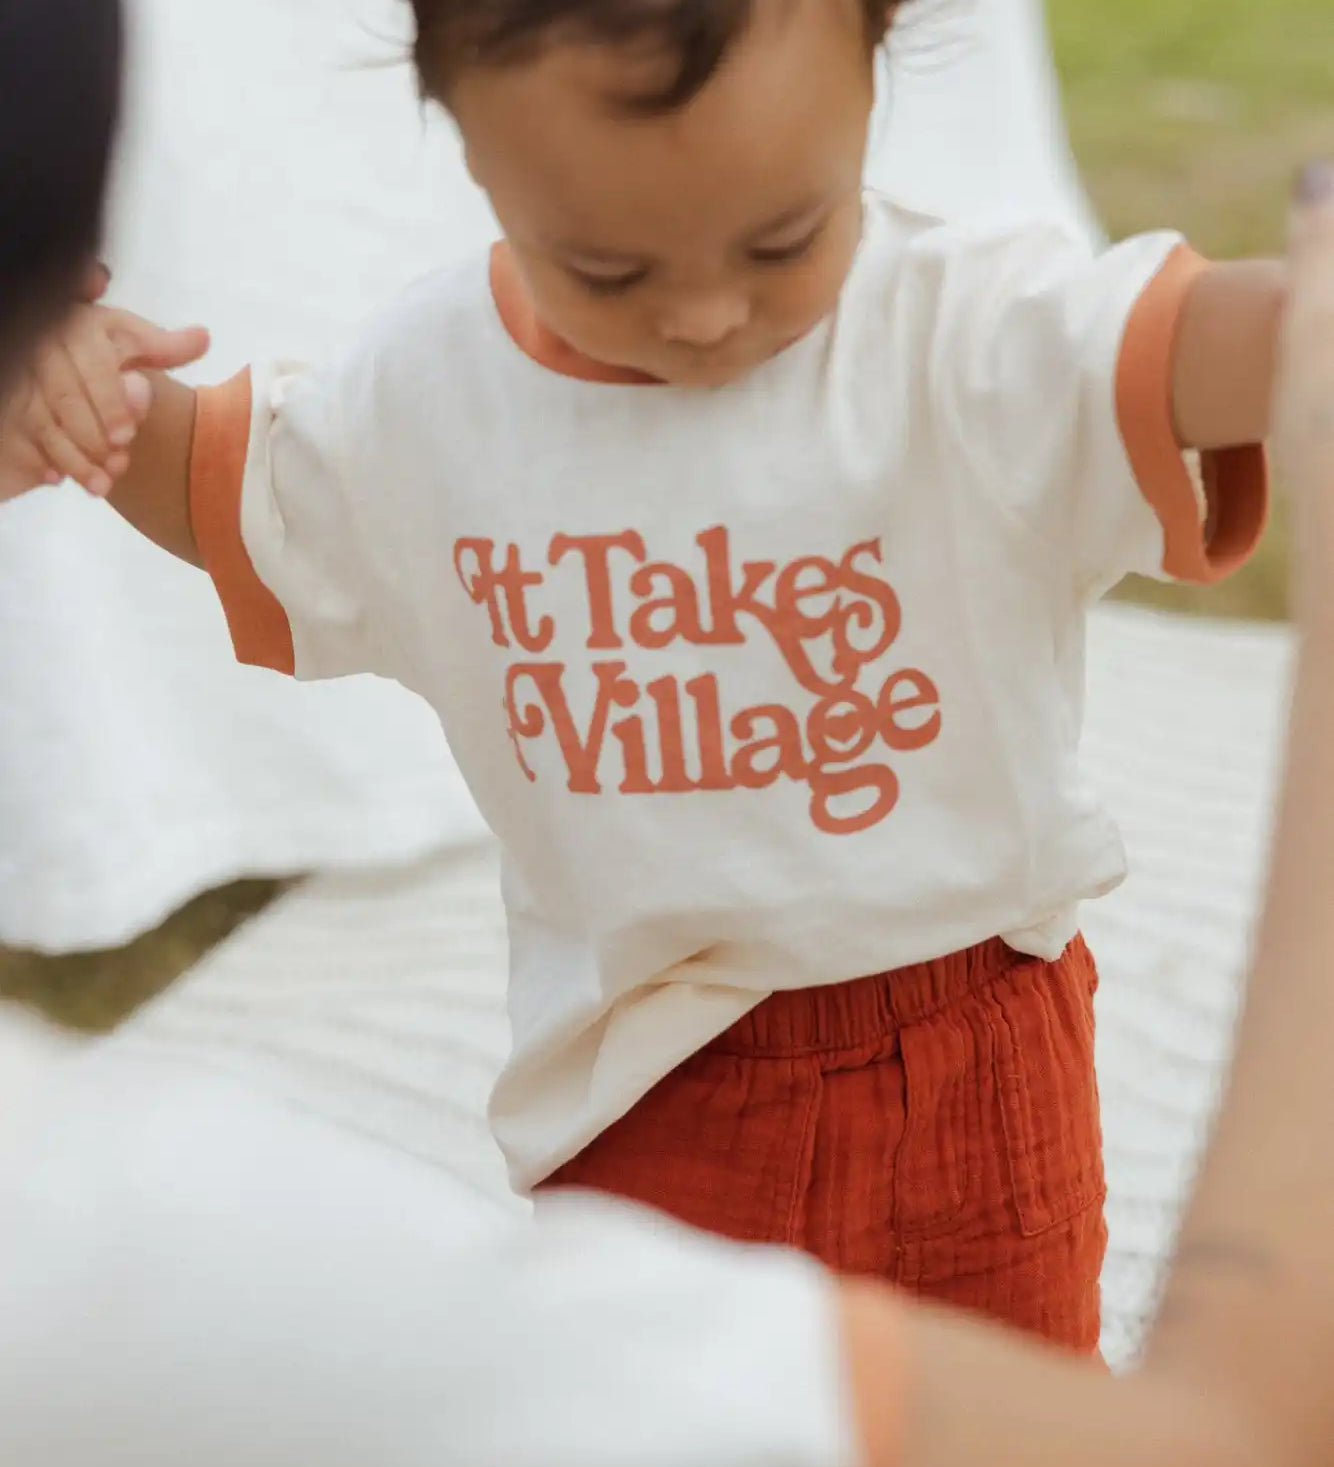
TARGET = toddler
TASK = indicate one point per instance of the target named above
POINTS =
(741, 528)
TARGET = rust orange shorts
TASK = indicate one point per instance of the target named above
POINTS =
(936, 1126)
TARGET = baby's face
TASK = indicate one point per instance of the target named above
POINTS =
(694, 245)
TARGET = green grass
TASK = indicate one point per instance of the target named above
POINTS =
(93, 992)
(1189, 113)
(1196, 114)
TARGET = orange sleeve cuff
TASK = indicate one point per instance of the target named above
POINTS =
(261, 633)
(1236, 480)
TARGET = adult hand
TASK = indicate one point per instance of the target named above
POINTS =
(1303, 441)
(76, 411)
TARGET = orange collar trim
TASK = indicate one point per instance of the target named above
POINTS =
(515, 307)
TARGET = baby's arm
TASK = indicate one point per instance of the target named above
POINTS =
(1223, 366)
(250, 481)
(153, 493)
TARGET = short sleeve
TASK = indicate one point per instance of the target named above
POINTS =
(1052, 371)
(737, 1354)
(273, 1289)
(275, 525)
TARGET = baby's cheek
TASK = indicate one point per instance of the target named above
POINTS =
(812, 291)
(605, 330)
(810, 295)
(571, 313)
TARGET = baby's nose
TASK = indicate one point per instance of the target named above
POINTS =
(705, 320)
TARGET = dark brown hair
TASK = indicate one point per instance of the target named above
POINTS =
(60, 64)
(695, 34)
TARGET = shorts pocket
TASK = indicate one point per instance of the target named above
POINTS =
(1047, 1089)
(936, 1162)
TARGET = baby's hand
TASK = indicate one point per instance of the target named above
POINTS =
(76, 413)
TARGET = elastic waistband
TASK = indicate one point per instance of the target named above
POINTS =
(870, 1011)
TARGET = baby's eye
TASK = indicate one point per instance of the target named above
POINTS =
(785, 254)
(607, 284)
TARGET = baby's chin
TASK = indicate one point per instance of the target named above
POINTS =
(682, 370)
(705, 377)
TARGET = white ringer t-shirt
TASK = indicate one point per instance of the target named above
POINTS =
(761, 687)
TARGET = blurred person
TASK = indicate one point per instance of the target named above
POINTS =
(60, 84)
(60, 92)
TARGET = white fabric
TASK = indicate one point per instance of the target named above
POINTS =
(29, 1050)
(207, 1276)
(373, 998)
(969, 124)
(1184, 739)
(279, 183)
(760, 688)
